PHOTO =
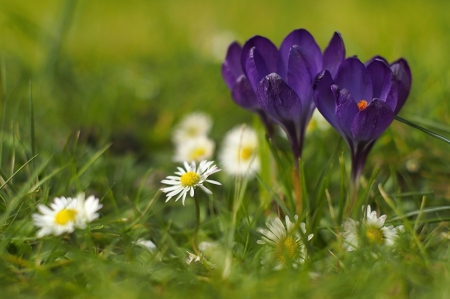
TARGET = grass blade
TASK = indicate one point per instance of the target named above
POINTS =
(426, 131)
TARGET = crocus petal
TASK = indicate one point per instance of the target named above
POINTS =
(346, 112)
(370, 123)
(353, 76)
(267, 51)
(392, 97)
(304, 40)
(324, 98)
(301, 72)
(334, 54)
(278, 100)
(231, 67)
(256, 67)
(243, 94)
(378, 57)
(402, 75)
(381, 77)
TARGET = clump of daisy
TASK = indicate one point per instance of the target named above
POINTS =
(239, 153)
(66, 214)
(192, 126)
(188, 179)
(372, 230)
(284, 244)
(197, 149)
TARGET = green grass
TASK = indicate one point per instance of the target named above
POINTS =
(110, 79)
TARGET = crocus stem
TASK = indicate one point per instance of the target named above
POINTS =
(197, 219)
(353, 196)
(268, 124)
(297, 186)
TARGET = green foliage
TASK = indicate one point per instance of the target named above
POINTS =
(89, 94)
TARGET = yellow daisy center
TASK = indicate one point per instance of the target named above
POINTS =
(65, 215)
(374, 235)
(246, 153)
(189, 179)
(287, 249)
(197, 154)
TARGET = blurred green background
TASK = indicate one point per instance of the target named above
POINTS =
(127, 71)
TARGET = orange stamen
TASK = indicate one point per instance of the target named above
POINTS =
(362, 105)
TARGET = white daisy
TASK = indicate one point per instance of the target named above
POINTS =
(147, 244)
(350, 234)
(373, 231)
(192, 126)
(188, 179)
(87, 209)
(283, 243)
(239, 152)
(65, 215)
(197, 149)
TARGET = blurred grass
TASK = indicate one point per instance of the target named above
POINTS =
(113, 64)
(119, 72)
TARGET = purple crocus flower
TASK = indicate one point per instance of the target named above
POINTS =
(241, 90)
(283, 79)
(402, 77)
(361, 101)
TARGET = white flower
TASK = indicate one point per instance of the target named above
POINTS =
(193, 258)
(350, 234)
(192, 126)
(147, 244)
(413, 165)
(239, 152)
(197, 149)
(198, 263)
(372, 230)
(87, 209)
(283, 243)
(188, 179)
(205, 246)
(65, 215)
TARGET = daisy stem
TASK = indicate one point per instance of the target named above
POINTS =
(297, 186)
(197, 218)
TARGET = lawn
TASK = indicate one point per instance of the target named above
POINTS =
(91, 95)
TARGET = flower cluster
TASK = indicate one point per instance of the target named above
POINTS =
(360, 102)
(285, 85)
(66, 214)
(191, 138)
(278, 83)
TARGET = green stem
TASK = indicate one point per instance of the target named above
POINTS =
(197, 220)
(352, 198)
(297, 188)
